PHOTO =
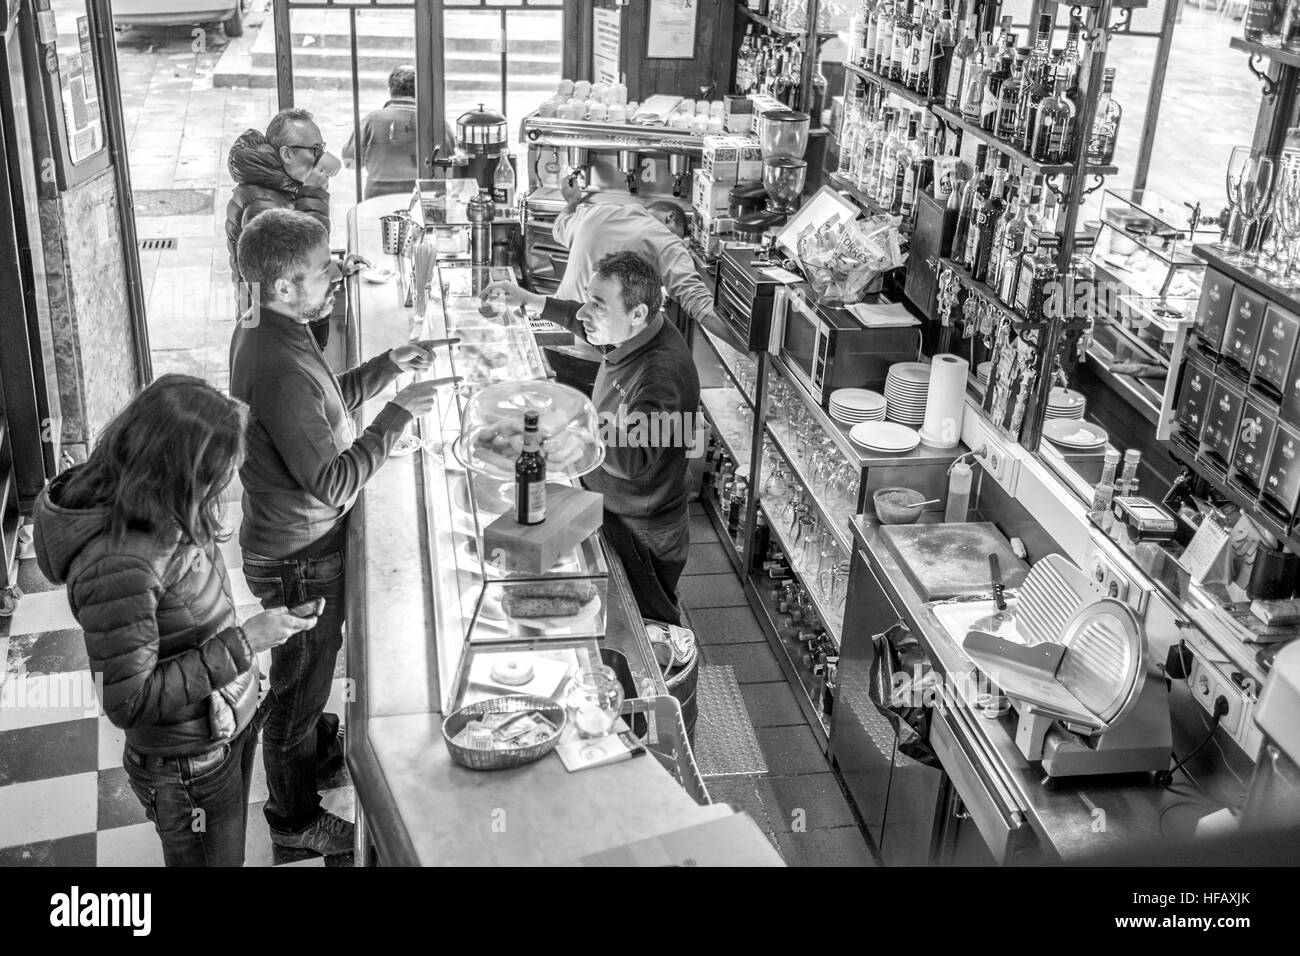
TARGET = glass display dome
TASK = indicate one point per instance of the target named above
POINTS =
(492, 430)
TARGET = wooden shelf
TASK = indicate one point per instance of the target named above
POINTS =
(767, 24)
(1250, 278)
(1017, 155)
(985, 292)
(1289, 58)
(892, 86)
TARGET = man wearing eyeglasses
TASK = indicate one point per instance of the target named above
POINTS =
(288, 167)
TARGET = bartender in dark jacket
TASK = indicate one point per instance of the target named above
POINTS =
(646, 374)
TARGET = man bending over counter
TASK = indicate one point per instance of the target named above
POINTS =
(646, 373)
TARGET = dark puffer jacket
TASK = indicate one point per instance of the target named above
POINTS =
(159, 623)
(260, 184)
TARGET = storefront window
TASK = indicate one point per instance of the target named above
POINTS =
(78, 85)
(508, 60)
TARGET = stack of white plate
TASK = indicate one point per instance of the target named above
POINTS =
(983, 371)
(906, 387)
(885, 437)
(1065, 403)
(849, 406)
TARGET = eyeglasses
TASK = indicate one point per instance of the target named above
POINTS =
(316, 151)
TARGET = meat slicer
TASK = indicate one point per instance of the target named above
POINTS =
(1074, 667)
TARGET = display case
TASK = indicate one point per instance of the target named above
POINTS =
(486, 610)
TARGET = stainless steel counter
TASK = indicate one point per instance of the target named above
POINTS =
(413, 802)
(1020, 818)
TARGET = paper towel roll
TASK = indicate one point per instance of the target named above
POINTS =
(945, 402)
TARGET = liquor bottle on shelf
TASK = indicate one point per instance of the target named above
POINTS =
(945, 40)
(909, 160)
(884, 38)
(1037, 271)
(866, 58)
(1038, 83)
(1105, 127)
(979, 244)
(973, 196)
(889, 152)
(745, 62)
(857, 33)
(869, 177)
(737, 504)
(830, 686)
(977, 78)
(963, 59)
(918, 72)
(1072, 61)
(999, 229)
(762, 541)
(1013, 238)
(1054, 125)
(849, 142)
(1000, 72)
(902, 42)
(710, 456)
(1009, 96)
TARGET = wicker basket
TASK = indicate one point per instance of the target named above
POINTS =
(502, 758)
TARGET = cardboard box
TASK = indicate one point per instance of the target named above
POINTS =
(708, 196)
(749, 161)
(572, 516)
(720, 155)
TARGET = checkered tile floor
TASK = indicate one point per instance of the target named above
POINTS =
(64, 797)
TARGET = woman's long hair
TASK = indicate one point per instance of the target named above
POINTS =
(164, 461)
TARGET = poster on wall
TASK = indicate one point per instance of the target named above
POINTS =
(81, 111)
(607, 41)
(672, 29)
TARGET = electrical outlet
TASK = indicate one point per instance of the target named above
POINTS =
(1114, 581)
(1208, 684)
(992, 452)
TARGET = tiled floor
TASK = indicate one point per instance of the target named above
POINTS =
(798, 802)
(64, 797)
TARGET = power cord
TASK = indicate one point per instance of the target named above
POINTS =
(1165, 777)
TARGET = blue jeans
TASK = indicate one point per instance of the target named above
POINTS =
(198, 803)
(302, 670)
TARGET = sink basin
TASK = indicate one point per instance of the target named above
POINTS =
(957, 619)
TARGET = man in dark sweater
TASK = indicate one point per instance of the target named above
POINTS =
(647, 394)
(303, 471)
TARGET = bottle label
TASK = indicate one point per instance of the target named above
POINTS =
(530, 502)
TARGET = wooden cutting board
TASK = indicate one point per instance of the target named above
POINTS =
(951, 560)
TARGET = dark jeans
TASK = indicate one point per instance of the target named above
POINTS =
(302, 669)
(390, 187)
(199, 803)
(654, 555)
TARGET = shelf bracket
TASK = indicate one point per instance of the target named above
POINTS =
(1124, 24)
(1270, 85)
(1100, 181)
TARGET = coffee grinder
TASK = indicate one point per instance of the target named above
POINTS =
(783, 135)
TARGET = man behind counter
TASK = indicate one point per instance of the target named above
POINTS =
(646, 373)
(593, 230)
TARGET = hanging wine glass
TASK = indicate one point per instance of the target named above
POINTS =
(1241, 156)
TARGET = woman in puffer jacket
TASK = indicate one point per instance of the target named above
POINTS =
(133, 534)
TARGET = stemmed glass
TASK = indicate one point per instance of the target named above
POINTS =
(1241, 156)
(1255, 193)
(1287, 220)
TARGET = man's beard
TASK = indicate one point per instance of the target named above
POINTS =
(310, 312)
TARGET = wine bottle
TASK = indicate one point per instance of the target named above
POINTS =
(530, 475)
